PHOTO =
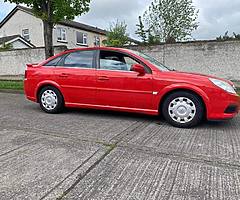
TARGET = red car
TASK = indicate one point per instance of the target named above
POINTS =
(126, 80)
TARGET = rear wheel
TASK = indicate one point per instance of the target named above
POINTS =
(51, 100)
(183, 109)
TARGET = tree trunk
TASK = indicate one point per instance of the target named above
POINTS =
(48, 39)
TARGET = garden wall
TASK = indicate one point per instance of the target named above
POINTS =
(221, 59)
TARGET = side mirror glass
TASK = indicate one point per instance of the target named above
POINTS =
(139, 69)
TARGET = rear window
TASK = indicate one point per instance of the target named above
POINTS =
(54, 62)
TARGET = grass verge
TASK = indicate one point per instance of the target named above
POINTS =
(11, 85)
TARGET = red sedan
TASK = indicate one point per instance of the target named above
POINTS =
(130, 81)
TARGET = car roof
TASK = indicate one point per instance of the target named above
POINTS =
(97, 48)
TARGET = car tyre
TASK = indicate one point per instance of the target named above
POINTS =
(51, 100)
(183, 109)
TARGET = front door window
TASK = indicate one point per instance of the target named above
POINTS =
(115, 61)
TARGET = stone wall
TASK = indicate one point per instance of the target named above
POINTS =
(221, 59)
(13, 62)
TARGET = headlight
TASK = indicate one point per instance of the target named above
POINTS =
(224, 85)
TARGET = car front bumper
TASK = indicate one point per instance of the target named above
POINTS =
(223, 106)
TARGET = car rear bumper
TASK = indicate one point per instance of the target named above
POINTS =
(225, 106)
(28, 91)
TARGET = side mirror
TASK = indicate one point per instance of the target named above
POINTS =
(139, 69)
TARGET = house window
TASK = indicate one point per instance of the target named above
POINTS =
(81, 38)
(61, 34)
(97, 41)
(25, 34)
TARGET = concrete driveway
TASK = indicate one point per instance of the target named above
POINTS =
(83, 154)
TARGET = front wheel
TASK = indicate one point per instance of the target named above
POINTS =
(183, 109)
(51, 100)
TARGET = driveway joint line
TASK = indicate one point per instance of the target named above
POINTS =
(118, 138)
(84, 162)
(1, 155)
(81, 177)
(185, 157)
(56, 135)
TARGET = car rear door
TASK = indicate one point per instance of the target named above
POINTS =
(76, 75)
(117, 86)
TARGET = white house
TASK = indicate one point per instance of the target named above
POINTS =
(16, 42)
(21, 21)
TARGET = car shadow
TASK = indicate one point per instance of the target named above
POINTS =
(223, 124)
(111, 114)
(159, 120)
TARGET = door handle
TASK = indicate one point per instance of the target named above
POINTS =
(64, 75)
(103, 78)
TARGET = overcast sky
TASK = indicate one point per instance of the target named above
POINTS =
(215, 16)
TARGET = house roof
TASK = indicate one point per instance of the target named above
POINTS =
(83, 27)
(12, 38)
(8, 38)
(69, 23)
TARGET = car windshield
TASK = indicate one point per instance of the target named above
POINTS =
(152, 60)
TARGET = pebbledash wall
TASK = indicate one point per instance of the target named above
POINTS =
(14, 62)
(221, 59)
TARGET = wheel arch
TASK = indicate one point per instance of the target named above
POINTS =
(46, 84)
(196, 91)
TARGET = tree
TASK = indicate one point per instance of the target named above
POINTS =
(145, 34)
(52, 12)
(117, 35)
(169, 20)
(141, 31)
(226, 37)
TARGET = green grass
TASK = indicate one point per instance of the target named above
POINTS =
(11, 85)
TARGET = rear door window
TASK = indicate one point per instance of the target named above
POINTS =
(79, 59)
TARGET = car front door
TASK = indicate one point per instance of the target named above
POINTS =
(76, 75)
(118, 86)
